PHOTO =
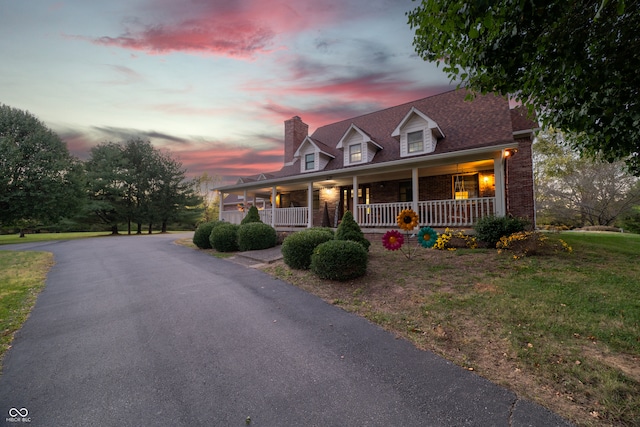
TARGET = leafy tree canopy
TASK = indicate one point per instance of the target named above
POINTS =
(39, 180)
(134, 182)
(575, 62)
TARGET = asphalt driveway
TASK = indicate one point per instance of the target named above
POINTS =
(139, 331)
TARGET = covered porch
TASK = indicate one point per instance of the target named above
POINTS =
(444, 191)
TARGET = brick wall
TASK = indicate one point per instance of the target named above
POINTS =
(519, 178)
(295, 131)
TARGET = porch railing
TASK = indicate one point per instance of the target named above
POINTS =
(285, 217)
(438, 213)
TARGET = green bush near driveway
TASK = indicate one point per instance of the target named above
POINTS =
(202, 233)
(339, 260)
(224, 237)
(255, 236)
(298, 247)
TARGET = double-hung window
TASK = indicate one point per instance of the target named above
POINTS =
(415, 142)
(355, 153)
(309, 162)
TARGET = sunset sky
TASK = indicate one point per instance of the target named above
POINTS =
(210, 80)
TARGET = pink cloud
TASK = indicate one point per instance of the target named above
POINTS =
(238, 29)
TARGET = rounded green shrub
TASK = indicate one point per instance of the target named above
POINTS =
(252, 216)
(339, 260)
(224, 237)
(202, 233)
(255, 236)
(298, 247)
(491, 228)
(350, 230)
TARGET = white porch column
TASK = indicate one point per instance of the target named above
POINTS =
(498, 172)
(355, 198)
(220, 204)
(414, 189)
(274, 194)
(310, 204)
(245, 203)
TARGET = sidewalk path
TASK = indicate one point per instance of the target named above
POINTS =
(139, 331)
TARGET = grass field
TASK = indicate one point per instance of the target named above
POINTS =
(8, 239)
(22, 277)
(563, 330)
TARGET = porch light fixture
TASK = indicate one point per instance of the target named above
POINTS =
(510, 152)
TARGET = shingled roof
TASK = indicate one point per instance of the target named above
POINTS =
(484, 121)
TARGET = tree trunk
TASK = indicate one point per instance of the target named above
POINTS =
(22, 233)
(150, 228)
(164, 226)
(139, 231)
(129, 227)
(114, 229)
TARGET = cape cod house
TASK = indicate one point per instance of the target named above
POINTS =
(451, 160)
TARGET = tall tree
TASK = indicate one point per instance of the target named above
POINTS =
(39, 180)
(108, 185)
(145, 165)
(134, 182)
(575, 62)
(575, 191)
(173, 197)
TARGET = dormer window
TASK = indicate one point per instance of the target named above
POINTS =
(357, 146)
(355, 153)
(418, 134)
(309, 162)
(312, 156)
(415, 142)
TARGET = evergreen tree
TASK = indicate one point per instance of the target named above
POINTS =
(350, 230)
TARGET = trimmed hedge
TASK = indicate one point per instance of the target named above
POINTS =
(298, 247)
(256, 235)
(224, 237)
(252, 216)
(339, 260)
(491, 228)
(202, 233)
(350, 230)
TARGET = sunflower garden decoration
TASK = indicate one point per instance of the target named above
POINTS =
(408, 220)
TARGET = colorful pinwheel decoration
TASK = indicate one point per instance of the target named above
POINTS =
(408, 220)
(427, 237)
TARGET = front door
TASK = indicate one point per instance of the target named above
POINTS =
(346, 197)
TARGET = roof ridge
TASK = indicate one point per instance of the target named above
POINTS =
(389, 108)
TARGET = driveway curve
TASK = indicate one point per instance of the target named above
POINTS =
(139, 331)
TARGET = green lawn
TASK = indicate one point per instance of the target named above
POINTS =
(563, 330)
(22, 277)
(8, 239)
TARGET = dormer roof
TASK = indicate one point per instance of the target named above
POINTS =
(414, 111)
(365, 137)
(318, 146)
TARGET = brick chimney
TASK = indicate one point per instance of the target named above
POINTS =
(295, 131)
